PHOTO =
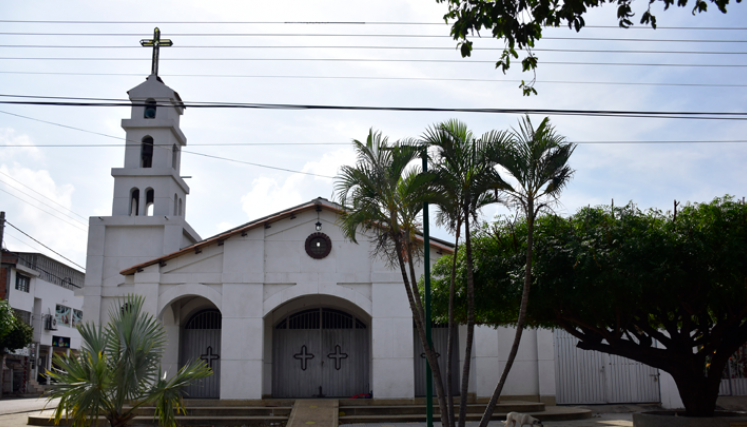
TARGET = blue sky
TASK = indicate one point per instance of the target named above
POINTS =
(226, 194)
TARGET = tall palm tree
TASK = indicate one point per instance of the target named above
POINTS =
(537, 160)
(465, 178)
(120, 365)
(382, 196)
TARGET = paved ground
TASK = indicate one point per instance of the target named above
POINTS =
(27, 404)
(599, 420)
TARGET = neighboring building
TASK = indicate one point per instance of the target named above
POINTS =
(42, 293)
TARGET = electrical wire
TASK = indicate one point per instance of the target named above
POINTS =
(46, 212)
(48, 198)
(453, 61)
(368, 47)
(47, 247)
(44, 203)
(300, 107)
(382, 78)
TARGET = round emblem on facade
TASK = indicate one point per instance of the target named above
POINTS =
(318, 245)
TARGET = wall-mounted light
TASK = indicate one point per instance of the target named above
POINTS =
(318, 226)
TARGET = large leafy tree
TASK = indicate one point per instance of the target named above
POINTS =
(622, 280)
(118, 370)
(536, 160)
(382, 196)
(465, 179)
(520, 23)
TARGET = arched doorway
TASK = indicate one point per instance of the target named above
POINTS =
(320, 352)
(201, 339)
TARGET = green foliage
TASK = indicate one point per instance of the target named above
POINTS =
(19, 337)
(520, 23)
(7, 319)
(619, 279)
(120, 365)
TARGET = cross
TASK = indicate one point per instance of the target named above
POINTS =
(156, 43)
(338, 355)
(303, 356)
(209, 356)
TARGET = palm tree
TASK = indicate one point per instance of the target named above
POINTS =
(537, 160)
(120, 365)
(382, 196)
(465, 179)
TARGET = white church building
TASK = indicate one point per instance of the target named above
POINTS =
(284, 306)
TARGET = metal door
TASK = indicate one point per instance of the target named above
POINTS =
(320, 353)
(588, 377)
(201, 339)
(440, 339)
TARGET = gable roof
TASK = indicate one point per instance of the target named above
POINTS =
(319, 202)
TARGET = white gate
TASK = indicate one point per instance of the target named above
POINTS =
(734, 380)
(588, 377)
(201, 339)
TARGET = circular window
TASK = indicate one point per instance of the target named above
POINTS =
(318, 245)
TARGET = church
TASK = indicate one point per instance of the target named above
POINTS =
(284, 306)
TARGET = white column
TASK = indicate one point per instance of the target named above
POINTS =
(241, 341)
(392, 343)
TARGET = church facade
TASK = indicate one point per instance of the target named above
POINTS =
(283, 306)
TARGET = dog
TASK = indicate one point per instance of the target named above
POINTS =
(517, 419)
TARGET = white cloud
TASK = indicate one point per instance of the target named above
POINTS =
(8, 136)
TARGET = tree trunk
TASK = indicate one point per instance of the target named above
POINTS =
(520, 323)
(470, 319)
(452, 328)
(698, 393)
(418, 316)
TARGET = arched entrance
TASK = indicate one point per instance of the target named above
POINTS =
(201, 339)
(320, 352)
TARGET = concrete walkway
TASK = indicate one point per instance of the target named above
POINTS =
(25, 404)
(599, 420)
(314, 412)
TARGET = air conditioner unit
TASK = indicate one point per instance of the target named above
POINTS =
(51, 323)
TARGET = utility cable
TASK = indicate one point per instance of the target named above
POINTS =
(47, 247)
(302, 107)
(453, 61)
(47, 197)
(43, 203)
(46, 212)
(382, 78)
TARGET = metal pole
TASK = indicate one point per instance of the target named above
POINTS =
(427, 273)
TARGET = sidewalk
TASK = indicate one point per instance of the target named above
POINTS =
(24, 404)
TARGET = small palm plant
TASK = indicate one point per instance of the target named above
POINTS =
(118, 370)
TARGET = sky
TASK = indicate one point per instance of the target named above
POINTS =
(50, 192)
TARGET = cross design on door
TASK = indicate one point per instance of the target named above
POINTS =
(338, 355)
(437, 355)
(303, 356)
(209, 356)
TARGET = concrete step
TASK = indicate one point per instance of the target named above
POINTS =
(43, 419)
(420, 409)
(224, 411)
(551, 413)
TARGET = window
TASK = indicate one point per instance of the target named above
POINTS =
(23, 315)
(175, 202)
(22, 282)
(146, 152)
(134, 202)
(150, 109)
(150, 197)
(174, 156)
(64, 316)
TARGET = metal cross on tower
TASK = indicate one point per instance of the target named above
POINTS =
(209, 356)
(156, 44)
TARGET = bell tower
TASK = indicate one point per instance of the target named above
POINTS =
(148, 217)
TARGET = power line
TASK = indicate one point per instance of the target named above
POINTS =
(258, 165)
(299, 107)
(368, 47)
(46, 212)
(48, 198)
(32, 238)
(454, 61)
(380, 78)
(337, 23)
(357, 35)
(43, 203)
